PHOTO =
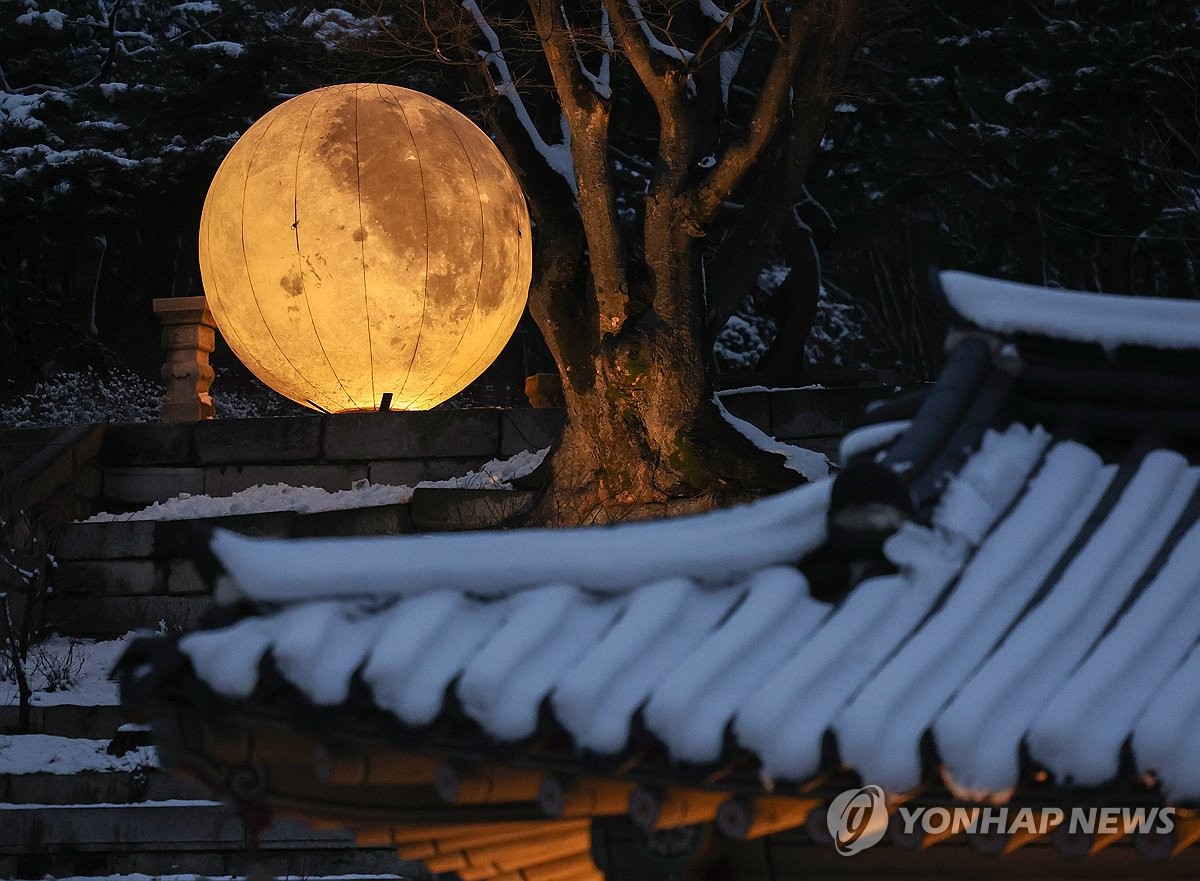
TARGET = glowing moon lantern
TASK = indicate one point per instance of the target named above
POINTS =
(365, 241)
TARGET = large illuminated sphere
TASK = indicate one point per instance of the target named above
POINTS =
(365, 240)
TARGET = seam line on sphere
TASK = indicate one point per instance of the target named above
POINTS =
(501, 323)
(362, 249)
(482, 253)
(232, 337)
(246, 263)
(299, 255)
(425, 289)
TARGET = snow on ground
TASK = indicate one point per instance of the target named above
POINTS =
(225, 47)
(63, 670)
(751, 389)
(47, 753)
(119, 805)
(496, 474)
(811, 464)
(139, 877)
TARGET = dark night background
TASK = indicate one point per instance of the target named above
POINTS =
(1045, 141)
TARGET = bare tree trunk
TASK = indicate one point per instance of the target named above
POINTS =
(622, 298)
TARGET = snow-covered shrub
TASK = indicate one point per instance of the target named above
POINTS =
(837, 337)
(57, 666)
(77, 397)
(26, 567)
(744, 339)
(252, 401)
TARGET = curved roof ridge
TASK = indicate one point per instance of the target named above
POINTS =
(712, 547)
(1110, 320)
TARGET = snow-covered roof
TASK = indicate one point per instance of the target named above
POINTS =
(1031, 606)
(1110, 320)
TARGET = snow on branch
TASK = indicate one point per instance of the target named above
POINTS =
(716, 13)
(675, 53)
(811, 464)
(602, 80)
(557, 156)
(731, 58)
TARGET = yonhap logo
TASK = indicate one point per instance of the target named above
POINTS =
(857, 819)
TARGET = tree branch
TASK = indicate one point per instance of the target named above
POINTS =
(557, 156)
(741, 156)
(588, 115)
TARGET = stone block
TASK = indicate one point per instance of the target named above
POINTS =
(184, 538)
(529, 430)
(44, 472)
(374, 520)
(410, 472)
(153, 443)
(108, 577)
(412, 435)
(105, 541)
(40, 477)
(453, 510)
(826, 446)
(754, 407)
(238, 441)
(86, 441)
(67, 720)
(102, 616)
(821, 412)
(143, 485)
(182, 578)
(18, 444)
(89, 481)
(225, 480)
(60, 507)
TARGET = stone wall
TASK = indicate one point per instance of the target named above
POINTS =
(151, 463)
(115, 576)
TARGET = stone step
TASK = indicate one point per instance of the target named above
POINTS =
(96, 788)
(66, 720)
(175, 837)
(107, 617)
(190, 876)
(123, 575)
(164, 540)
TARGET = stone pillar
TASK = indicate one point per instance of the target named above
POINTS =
(188, 335)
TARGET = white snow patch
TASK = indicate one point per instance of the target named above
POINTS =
(1039, 85)
(496, 474)
(17, 110)
(813, 465)
(46, 753)
(748, 389)
(65, 670)
(136, 876)
(223, 47)
(52, 18)
(199, 7)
